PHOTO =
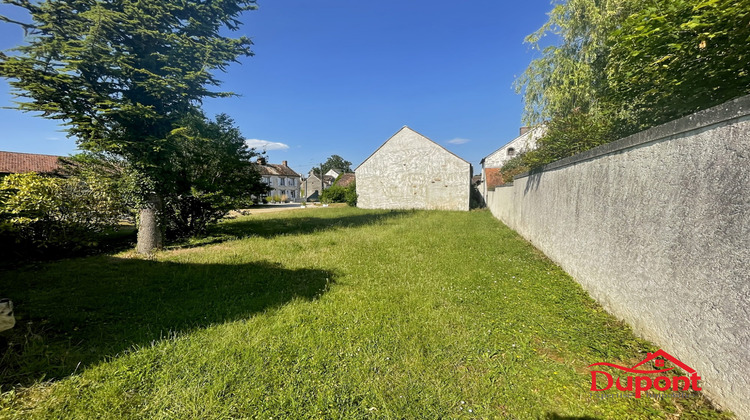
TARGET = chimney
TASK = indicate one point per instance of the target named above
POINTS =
(523, 130)
(283, 162)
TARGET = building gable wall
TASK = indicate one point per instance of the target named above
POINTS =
(412, 172)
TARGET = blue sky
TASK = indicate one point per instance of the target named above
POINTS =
(342, 76)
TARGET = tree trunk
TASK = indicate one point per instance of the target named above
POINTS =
(150, 236)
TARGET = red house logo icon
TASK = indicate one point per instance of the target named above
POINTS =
(639, 384)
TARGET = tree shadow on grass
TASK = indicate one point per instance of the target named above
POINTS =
(269, 228)
(75, 313)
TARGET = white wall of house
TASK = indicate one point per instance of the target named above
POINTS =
(523, 143)
(283, 185)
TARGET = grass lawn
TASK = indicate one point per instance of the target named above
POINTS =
(318, 313)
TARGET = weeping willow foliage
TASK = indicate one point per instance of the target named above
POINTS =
(615, 67)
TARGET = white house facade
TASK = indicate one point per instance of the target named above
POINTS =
(281, 178)
(524, 142)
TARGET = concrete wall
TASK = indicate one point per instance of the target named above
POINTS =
(656, 227)
(410, 171)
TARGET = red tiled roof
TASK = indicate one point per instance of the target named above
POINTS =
(345, 180)
(12, 163)
(493, 178)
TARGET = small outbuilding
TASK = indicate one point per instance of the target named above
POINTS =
(410, 171)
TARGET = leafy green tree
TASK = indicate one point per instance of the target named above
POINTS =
(622, 66)
(337, 162)
(566, 136)
(569, 74)
(671, 58)
(211, 173)
(120, 74)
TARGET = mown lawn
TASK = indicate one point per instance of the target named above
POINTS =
(319, 313)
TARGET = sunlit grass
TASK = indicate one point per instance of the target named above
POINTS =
(319, 313)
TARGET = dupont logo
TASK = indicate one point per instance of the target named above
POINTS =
(637, 382)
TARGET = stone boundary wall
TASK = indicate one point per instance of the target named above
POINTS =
(656, 227)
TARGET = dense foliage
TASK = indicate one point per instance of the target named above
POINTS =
(209, 173)
(514, 166)
(337, 162)
(674, 57)
(41, 214)
(120, 74)
(339, 194)
(621, 66)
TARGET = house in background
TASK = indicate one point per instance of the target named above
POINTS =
(19, 163)
(410, 171)
(334, 173)
(312, 187)
(492, 163)
(281, 178)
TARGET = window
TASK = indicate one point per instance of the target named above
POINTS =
(281, 181)
(511, 152)
(291, 182)
(266, 180)
(291, 194)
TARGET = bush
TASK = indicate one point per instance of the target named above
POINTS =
(516, 165)
(475, 198)
(351, 195)
(334, 194)
(339, 194)
(60, 215)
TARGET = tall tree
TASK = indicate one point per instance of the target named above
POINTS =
(671, 58)
(569, 74)
(120, 74)
(337, 162)
(621, 66)
(211, 174)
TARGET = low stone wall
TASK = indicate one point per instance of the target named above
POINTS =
(656, 227)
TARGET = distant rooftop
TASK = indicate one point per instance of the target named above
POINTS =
(274, 168)
(17, 163)
(345, 179)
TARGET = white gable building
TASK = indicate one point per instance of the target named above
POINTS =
(523, 143)
(410, 171)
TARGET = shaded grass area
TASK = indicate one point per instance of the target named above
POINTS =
(326, 313)
(14, 254)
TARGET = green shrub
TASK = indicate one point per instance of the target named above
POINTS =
(339, 194)
(516, 165)
(334, 194)
(56, 214)
(351, 195)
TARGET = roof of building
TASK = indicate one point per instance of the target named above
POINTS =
(345, 180)
(493, 178)
(328, 178)
(275, 169)
(13, 162)
(414, 131)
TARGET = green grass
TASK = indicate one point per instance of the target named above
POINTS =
(318, 313)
